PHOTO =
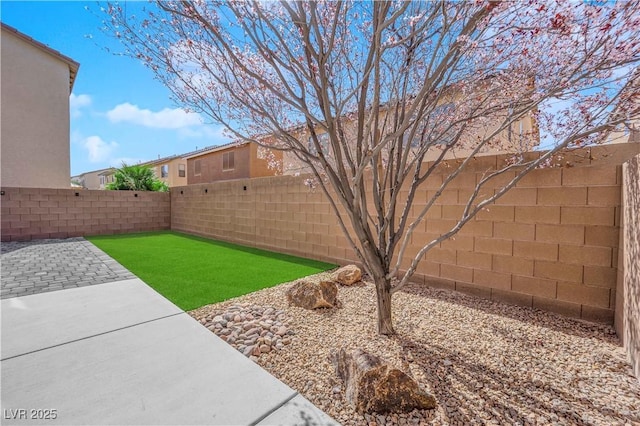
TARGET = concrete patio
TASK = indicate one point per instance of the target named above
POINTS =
(120, 353)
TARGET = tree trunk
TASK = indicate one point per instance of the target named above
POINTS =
(383, 295)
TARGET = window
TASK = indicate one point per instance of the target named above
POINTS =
(323, 140)
(164, 171)
(228, 161)
(181, 170)
(197, 167)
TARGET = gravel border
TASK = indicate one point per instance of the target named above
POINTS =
(487, 363)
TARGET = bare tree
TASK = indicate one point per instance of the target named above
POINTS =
(364, 93)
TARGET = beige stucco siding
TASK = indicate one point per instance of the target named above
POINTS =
(34, 137)
(173, 178)
(91, 180)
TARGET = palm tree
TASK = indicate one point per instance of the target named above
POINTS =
(136, 178)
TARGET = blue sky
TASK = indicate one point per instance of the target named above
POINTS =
(118, 111)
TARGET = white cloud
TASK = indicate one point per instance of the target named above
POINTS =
(167, 118)
(77, 102)
(99, 150)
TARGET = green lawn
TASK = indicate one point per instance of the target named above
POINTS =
(193, 272)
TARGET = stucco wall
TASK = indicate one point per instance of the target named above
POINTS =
(36, 213)
(250, 161)
(260, 161)
(211, 166)
(627, 319)
(522, 136)
(550, 243)
(34, 135)
(91, 180)
(174, 178)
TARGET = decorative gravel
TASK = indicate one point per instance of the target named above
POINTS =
(486, 363)
(252, 330)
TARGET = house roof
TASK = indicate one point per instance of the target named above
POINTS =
(93, 171)
(212, 149)
(160, 160)
(107, 172)
(189, 154)
(73, 65)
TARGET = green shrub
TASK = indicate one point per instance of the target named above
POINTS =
(136, 178)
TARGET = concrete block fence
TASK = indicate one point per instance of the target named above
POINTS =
(552, 242)
(38, 213)
(564, 239)
(627, 308)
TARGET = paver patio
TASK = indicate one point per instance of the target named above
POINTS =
(120, 353)
(50, 265)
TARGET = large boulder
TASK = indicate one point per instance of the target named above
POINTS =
(309, 295)
(347, 275)
(372, 386)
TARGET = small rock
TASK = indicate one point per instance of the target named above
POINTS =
(309, 295)
(447, 363)
(347, 275)
(372, 386)
(248, 350)
(253, 331)
(265, 349)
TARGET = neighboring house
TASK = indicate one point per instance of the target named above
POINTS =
(92, 179)
(522, 135)
(232, 161)
(629, 132)
(170, 170)
(106, 177)
(36, 84)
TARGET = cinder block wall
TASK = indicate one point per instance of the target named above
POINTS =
(551, 242)
(36, 213)
(627, 319)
